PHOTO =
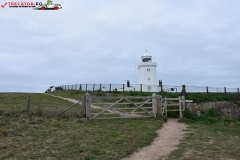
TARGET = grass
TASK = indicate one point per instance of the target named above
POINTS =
(69, 94)
(16, 103)
(47, 136)
(196, 97)
(203, 141)
(210, 136)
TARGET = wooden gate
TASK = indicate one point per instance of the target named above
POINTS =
(173, 104)
(113, 107)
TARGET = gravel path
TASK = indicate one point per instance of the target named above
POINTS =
(168, 137)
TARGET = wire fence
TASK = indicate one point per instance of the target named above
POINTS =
(145, 88)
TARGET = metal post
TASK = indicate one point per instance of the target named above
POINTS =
(123, 89)
(225, 91)
(100, 87)
(207, 89)
(183, 92)
(110, 87)
(80, 88)
(238, 93)
(141, 88)
(160, 84)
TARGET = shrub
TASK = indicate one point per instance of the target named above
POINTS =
(208, 117)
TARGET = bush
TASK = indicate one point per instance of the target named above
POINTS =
(99, 93)
(208, 117)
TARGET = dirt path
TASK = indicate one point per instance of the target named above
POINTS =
(168, 137)
(72, 100)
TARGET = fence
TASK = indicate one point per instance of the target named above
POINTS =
(147, 88)
(119, 107)
(129, 107)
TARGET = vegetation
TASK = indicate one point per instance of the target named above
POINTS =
(210, 136)
(196, 97)
(211, 116)
(44, 135)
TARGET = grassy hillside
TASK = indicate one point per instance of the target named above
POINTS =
(47, 136)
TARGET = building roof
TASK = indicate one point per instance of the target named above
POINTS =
(146, 54)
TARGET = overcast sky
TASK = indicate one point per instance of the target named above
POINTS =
(193, 42)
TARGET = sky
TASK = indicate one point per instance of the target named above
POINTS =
(196, 43)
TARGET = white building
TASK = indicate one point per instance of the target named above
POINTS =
(147, 75)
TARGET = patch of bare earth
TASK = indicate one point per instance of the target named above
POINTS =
(168, 137)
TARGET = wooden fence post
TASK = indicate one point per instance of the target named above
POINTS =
(141, 88)
(28, 106)
(93, 86)
(110, 87)
(88, 106)
(207, 89)
(225, 90)
(154, 104)
(165, 105)
(159, 105)
(84, 106)
(123, 89)
(183, 103)
(180, 106)
(100, 87)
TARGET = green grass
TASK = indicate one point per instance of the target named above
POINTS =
(69, 94)
(196, 97)
(47, 136)
(213, 141)
(16, 103)
(210, 136)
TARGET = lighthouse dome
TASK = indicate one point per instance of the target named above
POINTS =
(146, 58)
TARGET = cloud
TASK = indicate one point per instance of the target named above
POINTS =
(193, 43)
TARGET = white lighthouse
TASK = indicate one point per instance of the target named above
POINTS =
(147, 74)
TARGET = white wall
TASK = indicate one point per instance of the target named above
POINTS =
(148, 77)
